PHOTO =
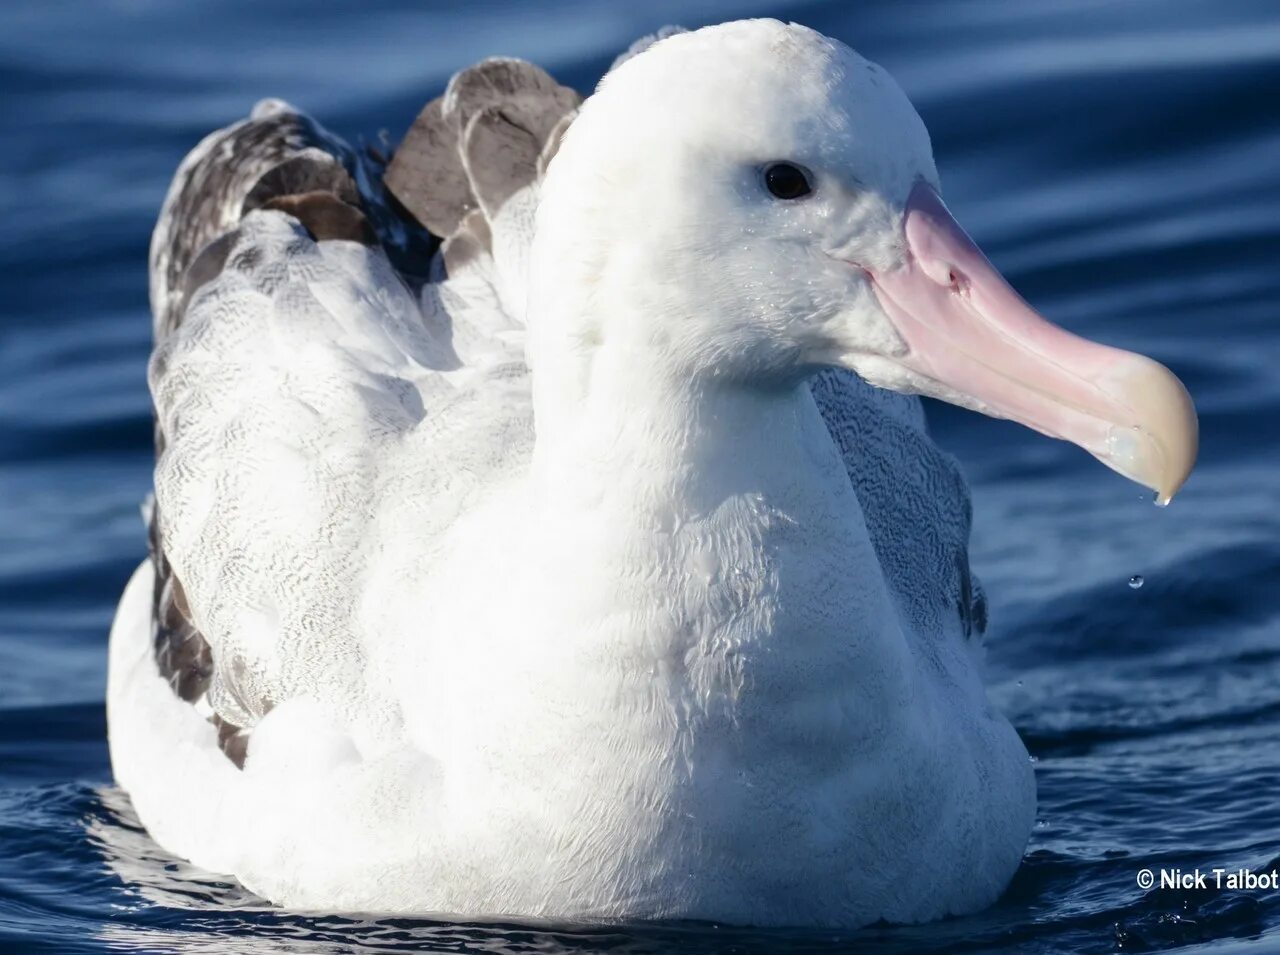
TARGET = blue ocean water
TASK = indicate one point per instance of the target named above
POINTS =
(1118, 159)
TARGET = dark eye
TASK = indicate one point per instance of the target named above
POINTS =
(787, 181)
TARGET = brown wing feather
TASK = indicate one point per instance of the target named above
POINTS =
(487, 137)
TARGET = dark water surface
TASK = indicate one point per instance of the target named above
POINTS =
(1119, 160)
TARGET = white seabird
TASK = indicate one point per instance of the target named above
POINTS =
(602, 566)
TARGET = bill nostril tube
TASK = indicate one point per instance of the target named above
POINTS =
(939, 270)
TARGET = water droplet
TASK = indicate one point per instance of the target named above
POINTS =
(1019, 683)
(1136, 581)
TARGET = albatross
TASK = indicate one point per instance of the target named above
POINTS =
(545, 522)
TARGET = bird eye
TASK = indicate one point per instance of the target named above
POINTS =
(786, 181)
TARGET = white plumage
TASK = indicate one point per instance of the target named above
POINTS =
(701, 643)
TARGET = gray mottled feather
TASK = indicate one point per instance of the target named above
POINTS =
(277, 159)
(914, 498)
(468, 152)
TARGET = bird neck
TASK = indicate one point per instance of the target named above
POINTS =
(662, 468)
(706, 543)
